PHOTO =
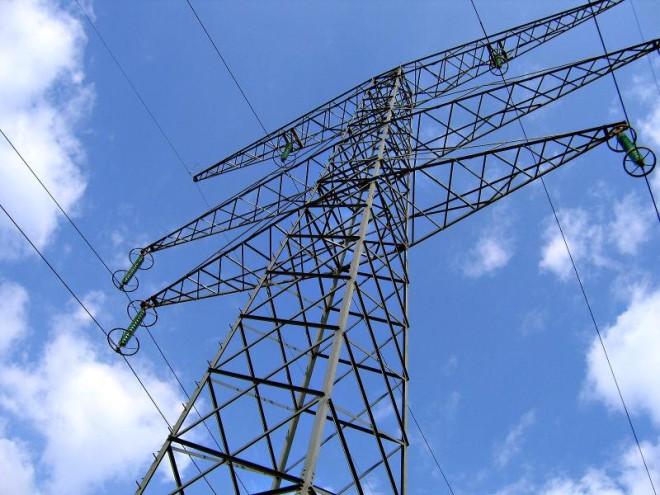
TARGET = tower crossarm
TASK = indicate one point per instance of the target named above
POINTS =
(447, 191)
(280, 191)
(444, 191)
(478, 111)
(481, 110)
(468, 117)
(430, 77)
(465, 62)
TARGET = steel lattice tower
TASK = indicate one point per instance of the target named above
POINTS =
(308, 392)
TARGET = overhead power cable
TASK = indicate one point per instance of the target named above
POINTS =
(238, 85)
(82, 305)
(224, 62)
(170, 144)
(430, 450)
(579, 278)
(642, 37)
(625, 112)
(100, 327)
(187, 170)
(57, 203)
(100, 259)
(138, 95)
(89, 245)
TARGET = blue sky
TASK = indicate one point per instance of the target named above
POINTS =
(507, 380)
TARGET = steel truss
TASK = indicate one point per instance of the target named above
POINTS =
(308, 392)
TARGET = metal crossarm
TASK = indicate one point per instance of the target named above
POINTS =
(447, 191)
(268, 198)
(474, 114)
(431, 76)
(480, 111)
(466, 184)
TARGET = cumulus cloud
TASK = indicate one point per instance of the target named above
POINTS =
(632, 342)
(488, 255)
(594, 482)
(43, 97)
(13, 301)
(649, 125)
(625, 475)
(533, 322)
(16, 469)
(513, 442)
(492, 251)
(96, 422)
(590, 238)
(631, 225)
(585, 238)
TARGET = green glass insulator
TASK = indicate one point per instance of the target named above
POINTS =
(286, 152)
(630, 148)
(132, 327)
(132, 270)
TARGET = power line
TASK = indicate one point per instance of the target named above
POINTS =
(100, 259)
(625, 111)
(575, 269)
(141, 99)
(99, 326)
(185, 167)
(82, 305)
(84, 238)
(87, 241)
(172, 147)
(430, 449)
(224, 62)
(641, 35)
(602, 344)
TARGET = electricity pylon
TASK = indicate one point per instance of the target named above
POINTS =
(308, 391)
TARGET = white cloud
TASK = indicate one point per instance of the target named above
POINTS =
(589, 238)
(16, 469)
(650, 126)
(96, 422)
(13, 300)
(627, 476)
(588, 235)
(594, 482)
(43, 96)
(585, 238)
(631, 225)
(533, 322)
(624, 475)
(632, 343)
(450, 365)
(512, 444)
(492, 251)
(489, 254)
